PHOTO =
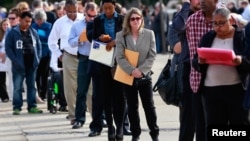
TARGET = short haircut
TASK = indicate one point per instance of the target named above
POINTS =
(26, 14)
(15, 11)
(224, 12)
(39, 14)
(71, 2)
(37, 3)
(91, 6)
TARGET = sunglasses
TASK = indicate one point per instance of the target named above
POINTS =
(135, 18)
(11, 18)
(91, 16)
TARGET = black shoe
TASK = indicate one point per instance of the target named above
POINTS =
(94, 133)
(135, 139)
(155, 138)
(126, 132)
(77, 125)
(104, 124)
(111, 133)
(63, 109)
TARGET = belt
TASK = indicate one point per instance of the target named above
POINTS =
(83, 56)
(70, 54)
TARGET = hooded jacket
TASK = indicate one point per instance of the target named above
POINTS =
(15, 53)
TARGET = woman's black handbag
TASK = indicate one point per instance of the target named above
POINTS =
(170, 87)
(147, 79)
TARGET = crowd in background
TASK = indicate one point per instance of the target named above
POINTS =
(53, 47)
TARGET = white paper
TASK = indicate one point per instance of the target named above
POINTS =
(99, 53)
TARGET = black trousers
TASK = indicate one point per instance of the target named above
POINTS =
(58, 78)
(146, 95)
(108, 96)
(42, 75)
(223, 105)
(187, 125)
(3, 90)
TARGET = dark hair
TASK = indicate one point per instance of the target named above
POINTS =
(26, 14)
(70, 2)
(15, 11)
(37, 3)
(111, 1)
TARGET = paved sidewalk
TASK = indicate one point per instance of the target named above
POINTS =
(55, 127)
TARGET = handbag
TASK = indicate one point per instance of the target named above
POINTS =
(170, 87)
(147, 79)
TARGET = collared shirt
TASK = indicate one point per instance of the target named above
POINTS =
(109, 25)
(75, 32)
(61, 30)
(196, 27)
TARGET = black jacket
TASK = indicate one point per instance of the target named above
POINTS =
(239, 49)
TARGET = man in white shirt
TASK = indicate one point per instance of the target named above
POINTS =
(61, 30)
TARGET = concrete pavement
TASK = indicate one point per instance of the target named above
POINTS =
(55, 127)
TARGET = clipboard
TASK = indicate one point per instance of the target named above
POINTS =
(120, 74)
(217, 55)
(99, 53)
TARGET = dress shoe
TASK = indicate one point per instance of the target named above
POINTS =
(126, 132)
(77, 125)
(72, 122)
(135, 139)
(104, 124)
(94, 133)
(63, 109)
(155, 138)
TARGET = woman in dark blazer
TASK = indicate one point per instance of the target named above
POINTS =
(222, 86)
(134, 37)
(108, 94)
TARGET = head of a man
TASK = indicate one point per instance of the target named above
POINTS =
(208, 6)
(108, 7)
(71, 9)
(90, 11)
(25, 20)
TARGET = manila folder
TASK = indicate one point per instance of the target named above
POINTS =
(121, 75)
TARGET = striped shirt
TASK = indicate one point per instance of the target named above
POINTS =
(196, 27)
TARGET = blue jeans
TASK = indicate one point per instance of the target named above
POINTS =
(18, 77)
(83, 81)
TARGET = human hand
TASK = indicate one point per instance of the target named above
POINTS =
(104, 38)
(237, 60)
(202, 61)
(177, 48)
(61, 57)
(137, 73)
(185, 1)
(110, 45)
(2, 57)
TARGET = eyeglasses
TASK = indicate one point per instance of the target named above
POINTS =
(91, 16)
(219, 23)
(11, 18)
(135, 18)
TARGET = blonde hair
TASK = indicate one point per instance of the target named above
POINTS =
(23, 6)
(126, 22)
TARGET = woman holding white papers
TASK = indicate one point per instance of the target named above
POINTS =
(223, 85)
(135, 38)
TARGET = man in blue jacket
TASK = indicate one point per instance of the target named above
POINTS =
(23, 47)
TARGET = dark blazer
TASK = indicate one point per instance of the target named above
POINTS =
(239, 49)
(97, 30)
(98, 26)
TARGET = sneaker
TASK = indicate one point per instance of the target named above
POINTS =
(35, 110)
(16, 112)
